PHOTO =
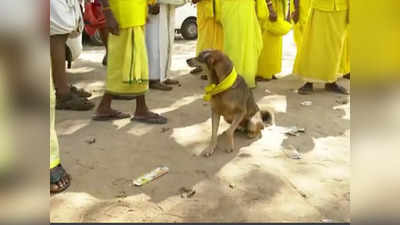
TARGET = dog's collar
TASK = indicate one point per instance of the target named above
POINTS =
(227, 83)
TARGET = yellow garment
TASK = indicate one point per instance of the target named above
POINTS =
(129, 13)
(330, 5)
(270, 61)
(345, 63)
(298, 28)
(213, 89)
(319, 58)
(127, 69)
(242, 36)
(210, 33)
(54, 148)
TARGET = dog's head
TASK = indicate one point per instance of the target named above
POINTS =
(216, 65)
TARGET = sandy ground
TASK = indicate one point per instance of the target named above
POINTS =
(258, 182)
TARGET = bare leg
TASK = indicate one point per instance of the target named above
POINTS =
(215, 118)
(231, 131)
(104, 107)
(57, 51)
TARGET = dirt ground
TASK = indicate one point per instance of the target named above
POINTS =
(259, 182)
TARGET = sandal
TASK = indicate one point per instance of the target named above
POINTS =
(159, 86)
(60, 180)
(73, 102)
(80, 92)
(306, 89)
(262, 79)
(105, 60)
(336, 88)
(115, 115)
(171, 82)
(154, 118)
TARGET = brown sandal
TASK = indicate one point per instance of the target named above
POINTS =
(115, 115)
(73, 102)
(159, 86)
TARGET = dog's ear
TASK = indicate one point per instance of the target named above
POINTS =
(211, 60)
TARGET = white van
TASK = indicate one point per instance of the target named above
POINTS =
(185, 21)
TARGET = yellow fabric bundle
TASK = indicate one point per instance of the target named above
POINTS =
(280, 27)
(214, 89)
(261, 9)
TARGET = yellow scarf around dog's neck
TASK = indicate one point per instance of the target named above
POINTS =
(213, 89)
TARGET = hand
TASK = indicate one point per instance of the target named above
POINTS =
(154, 9)
(295, 16)
(272, 16)
(111, 23)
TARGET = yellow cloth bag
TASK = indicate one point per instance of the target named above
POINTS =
(280, 27)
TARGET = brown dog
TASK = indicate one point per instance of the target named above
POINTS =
(236, 104)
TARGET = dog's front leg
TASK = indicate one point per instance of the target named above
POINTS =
(215, 125)
(231, 131)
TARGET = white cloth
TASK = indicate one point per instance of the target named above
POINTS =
(66, 17)
(160, 34)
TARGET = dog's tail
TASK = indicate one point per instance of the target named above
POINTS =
(268, 115)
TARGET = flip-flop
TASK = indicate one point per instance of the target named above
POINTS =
(73, 102)
(56, 174)
(81, 92)
(305, 90)
(116, 115)
(334, 87)
(154, 119)
(160, 86)
(171, 82)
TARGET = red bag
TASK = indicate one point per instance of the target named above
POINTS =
(93, 17)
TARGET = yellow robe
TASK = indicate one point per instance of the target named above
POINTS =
(270, 61)
(298, 28)
(54, 148)
(210, 33)
(127, 70)
(345, 63)
(242, 36)
(320, 55)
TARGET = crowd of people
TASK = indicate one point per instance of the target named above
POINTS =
(139, 36)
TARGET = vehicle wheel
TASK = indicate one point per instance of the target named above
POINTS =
(189, 29)
(96, 39)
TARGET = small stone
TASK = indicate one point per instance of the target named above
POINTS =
(232, 186)
(91, 140)
(165, 129)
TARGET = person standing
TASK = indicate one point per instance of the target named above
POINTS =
(299, 14)
(242, 36)
(210, 32)
(160, 35)
(320, 54)
(65, 21)
(127, 65)
(270, 62)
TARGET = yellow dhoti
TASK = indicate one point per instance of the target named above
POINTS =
(127, 70)
(54, 147)
(298, 28)
(320, 55)
(242, 37)
(345, 63)
(210, 33)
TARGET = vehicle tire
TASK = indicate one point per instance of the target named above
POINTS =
(189, 29)
(96, 39)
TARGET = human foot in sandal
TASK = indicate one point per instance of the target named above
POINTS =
(159, 86)
(336, 88)
(60, 180)
(111, 115)
(150, 117)
(171, 82)
(306, 89)
(72, 101)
